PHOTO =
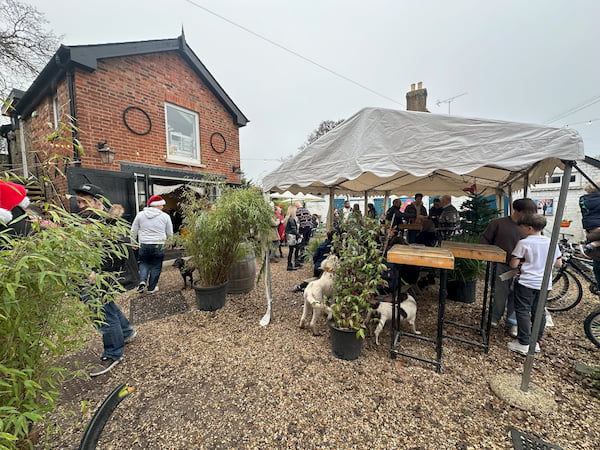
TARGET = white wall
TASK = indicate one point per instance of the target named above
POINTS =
(572, 211)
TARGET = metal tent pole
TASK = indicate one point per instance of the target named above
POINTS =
(535, 332)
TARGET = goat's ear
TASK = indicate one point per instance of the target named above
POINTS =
(404, 288)
(402, 296)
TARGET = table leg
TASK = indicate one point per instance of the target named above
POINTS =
(441, 313)
(485, 297)
(488, 324)
(395, 280)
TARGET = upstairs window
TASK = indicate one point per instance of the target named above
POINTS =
(557, 179)
(183, 139)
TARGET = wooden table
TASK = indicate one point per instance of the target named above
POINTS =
(417, 255)
(410, 226)
(492, 254)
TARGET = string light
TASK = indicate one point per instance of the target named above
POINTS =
(588, 122)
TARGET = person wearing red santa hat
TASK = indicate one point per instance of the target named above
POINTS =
(13, 201)
(151, 228)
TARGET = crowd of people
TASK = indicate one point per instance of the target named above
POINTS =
(519, 234)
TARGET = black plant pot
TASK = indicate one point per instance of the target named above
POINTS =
(210, 298)
(344, 343)
(462, 291)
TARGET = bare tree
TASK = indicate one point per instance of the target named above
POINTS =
(25, 44)
(324, 127)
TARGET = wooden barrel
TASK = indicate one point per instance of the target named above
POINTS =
(242, 275)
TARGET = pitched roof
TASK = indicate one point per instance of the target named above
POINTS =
(86, 57)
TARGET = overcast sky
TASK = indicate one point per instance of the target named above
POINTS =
(526, 61)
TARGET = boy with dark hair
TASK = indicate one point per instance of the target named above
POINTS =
(529, 255)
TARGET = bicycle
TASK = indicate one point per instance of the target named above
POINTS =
(591, 325)
(567, 290)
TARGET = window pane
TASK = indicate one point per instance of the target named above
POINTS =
(182, 133)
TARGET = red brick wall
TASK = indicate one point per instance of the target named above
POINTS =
(147, 82)
(49, 149)
(101, 96)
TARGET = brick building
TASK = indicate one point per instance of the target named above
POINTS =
(147, 117)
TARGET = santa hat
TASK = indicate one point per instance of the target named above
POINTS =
(156, 200)
(11, 195)
(471, 189)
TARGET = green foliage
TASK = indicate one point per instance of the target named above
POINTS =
(314, 243)
(466, 269)
(41, 316)
(476, 213)
(359, 273)
(213, 232)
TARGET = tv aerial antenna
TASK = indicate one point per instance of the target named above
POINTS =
(450, 100)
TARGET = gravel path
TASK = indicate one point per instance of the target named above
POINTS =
(219, 380)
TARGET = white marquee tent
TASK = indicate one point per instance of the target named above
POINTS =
(381, 152)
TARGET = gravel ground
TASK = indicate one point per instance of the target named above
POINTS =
(219, 380)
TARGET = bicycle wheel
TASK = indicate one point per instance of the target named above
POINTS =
(566, 292)
(560, 284)
(591, 325)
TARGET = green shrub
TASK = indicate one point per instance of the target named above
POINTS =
(213, 232)
(358, 275)
(41, 316)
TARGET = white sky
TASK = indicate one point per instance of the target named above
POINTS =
(526, 61)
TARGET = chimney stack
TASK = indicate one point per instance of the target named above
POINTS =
(416, 99)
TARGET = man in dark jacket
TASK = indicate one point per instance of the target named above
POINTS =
(394, 216)
(115, 328)
(412, 213)
(504, 232)
(590, 216)
(322, 251)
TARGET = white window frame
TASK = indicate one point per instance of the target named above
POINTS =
(55, 111)
(178, 159)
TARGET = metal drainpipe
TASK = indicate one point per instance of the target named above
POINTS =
(23, 150)
(74, 133)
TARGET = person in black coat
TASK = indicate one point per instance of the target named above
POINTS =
(115, 328)
(292, 235)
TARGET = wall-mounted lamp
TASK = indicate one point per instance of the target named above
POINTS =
(236, 169)
(107, 156)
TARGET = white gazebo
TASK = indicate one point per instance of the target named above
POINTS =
(382, 151)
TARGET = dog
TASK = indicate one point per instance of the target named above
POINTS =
(316, 292)
(186, 269)
(407, 312)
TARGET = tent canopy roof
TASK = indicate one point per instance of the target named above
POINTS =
(402, 152)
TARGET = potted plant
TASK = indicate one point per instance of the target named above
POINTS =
(357, 280)
(216, 233)
(462, 280)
